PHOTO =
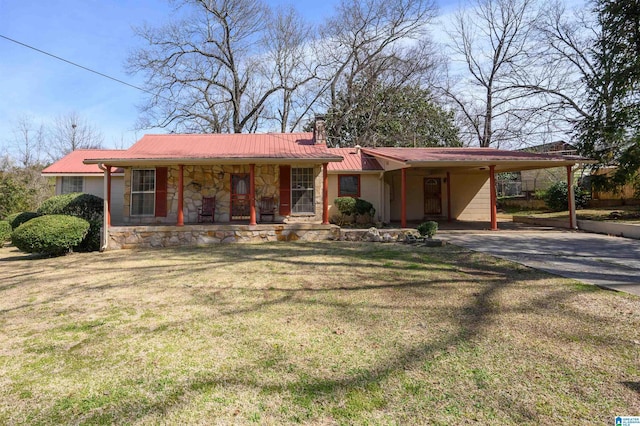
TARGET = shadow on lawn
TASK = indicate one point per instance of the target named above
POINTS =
(309, 390)
(473, 321)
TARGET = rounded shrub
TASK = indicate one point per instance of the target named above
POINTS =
(86, 206)
(557, 197)
(428, 229)
(346, 205)
(50, 234)
(364, 207)
(5, 232)
(18, 219)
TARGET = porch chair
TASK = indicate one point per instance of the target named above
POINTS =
(267, 207)
(208, 210)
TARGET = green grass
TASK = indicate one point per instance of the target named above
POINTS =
(312, 333)
(629, 214)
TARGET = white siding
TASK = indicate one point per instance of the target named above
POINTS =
(95, 185)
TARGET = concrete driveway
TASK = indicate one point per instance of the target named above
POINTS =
(609, 262)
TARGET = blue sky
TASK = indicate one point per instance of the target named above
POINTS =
(96, 34)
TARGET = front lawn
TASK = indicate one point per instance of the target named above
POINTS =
(314, 333)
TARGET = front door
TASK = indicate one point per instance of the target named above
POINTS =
(432, 197)
(240, 196)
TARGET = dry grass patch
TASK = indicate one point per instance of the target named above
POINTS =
(628, 214)
(320, 333)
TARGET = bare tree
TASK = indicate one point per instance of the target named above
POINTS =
(70, 132)
(491, 40)
(372, 42)
(204, 69)
(562, 63)
(289, 41)
(28, 142)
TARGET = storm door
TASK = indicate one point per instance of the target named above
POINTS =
(432, 197)
(240, 196)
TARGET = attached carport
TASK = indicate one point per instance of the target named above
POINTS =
(482, 163)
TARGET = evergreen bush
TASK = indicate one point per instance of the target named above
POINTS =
(50, 234)
(346, 206)
(18, 219)
(557, 197)
(363, 207)
(428, 229)
(86, 206)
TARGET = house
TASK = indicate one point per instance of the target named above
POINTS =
(71, 174)
(527, 182)
(167, 177)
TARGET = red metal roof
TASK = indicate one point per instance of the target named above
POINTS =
(353, 161)
(411, 155)
(72, 163)
(226, 146)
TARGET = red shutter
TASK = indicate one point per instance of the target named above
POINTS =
(161, 191)
(285, 190)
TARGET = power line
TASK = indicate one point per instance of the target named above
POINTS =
(90, 70)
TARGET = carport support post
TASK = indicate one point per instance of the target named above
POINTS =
(448, 197)
(492, 189)
(325, 195)
(403, 198)
(180, 195)
(572, 198)
(252, 194)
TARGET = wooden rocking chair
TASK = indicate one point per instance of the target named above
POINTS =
(206, 213)
(267, 207)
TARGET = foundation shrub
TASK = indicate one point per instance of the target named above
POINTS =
(50, 234)
(364, 207)
(347, 208)
(86, 206)
(354, 209)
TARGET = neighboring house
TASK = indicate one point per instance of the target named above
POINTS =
(72, 175)
(527, 182)
(166, 178)
(626, 195)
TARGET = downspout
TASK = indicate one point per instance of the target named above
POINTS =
(105, 212)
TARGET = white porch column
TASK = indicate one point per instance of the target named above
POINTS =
(573, 223)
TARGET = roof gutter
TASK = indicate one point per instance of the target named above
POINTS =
(206, 161)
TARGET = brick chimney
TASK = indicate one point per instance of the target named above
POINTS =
(320, 131)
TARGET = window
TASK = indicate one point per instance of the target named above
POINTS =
(143, 187)
(71, 184)
(302, 190)
(349, 186)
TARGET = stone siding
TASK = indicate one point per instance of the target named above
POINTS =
(127, 237)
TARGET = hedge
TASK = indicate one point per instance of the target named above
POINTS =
(50, 234)
(86, 206)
